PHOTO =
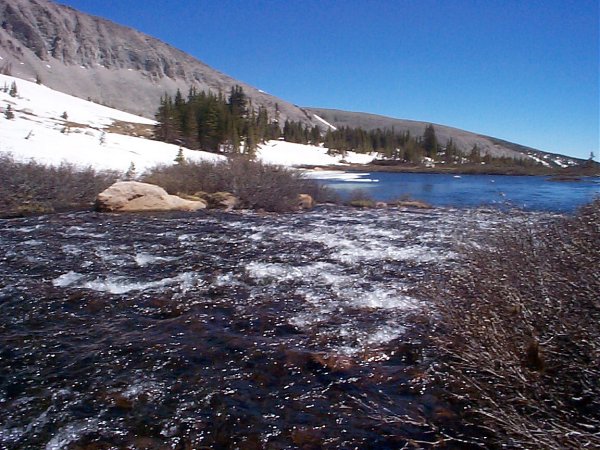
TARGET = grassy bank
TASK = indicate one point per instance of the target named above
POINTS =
(469, 169)
(517, 335)
(32, 188)
(256, 185)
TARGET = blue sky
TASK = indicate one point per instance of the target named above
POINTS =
(522, 70)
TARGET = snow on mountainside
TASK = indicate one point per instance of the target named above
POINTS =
(39, 132)
(86, 137)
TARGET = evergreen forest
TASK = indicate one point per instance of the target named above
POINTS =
(231, 124)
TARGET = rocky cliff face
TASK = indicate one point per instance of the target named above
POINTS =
(96, 59)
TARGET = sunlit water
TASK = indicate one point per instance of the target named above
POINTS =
(219, 330)
(524, 192)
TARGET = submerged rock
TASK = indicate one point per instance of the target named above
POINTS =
(217, 200)
(129, 196)
(305, 201)
(413, 204)
(223, 200)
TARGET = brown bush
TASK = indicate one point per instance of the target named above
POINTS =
(519, 335)
(32, 188)
(256, 185)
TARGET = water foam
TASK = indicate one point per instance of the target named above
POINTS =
(121, 285)
(72, 433)
(145, 259)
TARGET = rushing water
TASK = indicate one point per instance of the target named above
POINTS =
(219, 330)
(526, 192)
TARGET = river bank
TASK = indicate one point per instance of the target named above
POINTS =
(568, 174)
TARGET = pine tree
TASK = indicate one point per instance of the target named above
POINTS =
(262, 124)
(131, 172)
(237, 102)
(235, 140)
(13, 89)
(8, 113)
(429, 142)
(166, 128)
(251, 138)
(209, 126)
(451, 152)
(190, 128)
(178, 99)
(475, 154)
(180, 159)
(315, 135)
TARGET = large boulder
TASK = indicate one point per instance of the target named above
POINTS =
(128, 196)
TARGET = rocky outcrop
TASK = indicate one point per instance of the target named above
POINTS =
(130, 196)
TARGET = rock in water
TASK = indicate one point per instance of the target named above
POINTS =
(223, 200)
(305, 201)
(127, 196)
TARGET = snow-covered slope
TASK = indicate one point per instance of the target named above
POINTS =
(40, 132)
(289, 154)
(86, 137)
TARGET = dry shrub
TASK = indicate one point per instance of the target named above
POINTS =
(520, 335)
(29, 188)
(256, 185)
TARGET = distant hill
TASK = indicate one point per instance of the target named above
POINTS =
(93, 58)
(464, 140)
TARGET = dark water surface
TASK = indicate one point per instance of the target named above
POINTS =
(219, 331)
(532, 193)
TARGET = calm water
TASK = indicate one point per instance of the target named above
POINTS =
(529, 193)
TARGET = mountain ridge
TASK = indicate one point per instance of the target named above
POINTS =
(95, 58)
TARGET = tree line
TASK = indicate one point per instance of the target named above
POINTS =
(213, 122)
(230, 124)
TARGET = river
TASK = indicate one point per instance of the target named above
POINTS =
(216, 330)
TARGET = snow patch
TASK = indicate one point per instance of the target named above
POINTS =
(541, 161)
(291, 154)
(320, 119)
